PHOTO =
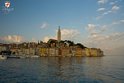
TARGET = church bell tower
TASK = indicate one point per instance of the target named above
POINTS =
(59, 34)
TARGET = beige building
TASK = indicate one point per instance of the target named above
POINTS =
(78, 52)
(93, 52)
(53, 52)
(43, 51)
(2, 47)
(65, 51)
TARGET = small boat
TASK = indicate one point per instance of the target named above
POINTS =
(2, 57)
(12, 56)
(35, 56)
(21, 57)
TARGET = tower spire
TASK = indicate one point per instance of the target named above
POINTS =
(59, 34)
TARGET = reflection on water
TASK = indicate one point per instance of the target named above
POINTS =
(108, 69)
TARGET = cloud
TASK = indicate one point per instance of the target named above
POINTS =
(46, 38)
(113, 3)
(66, 34)
(69, 34)
(102, 1)
(97, 37)
(92, 28)
(102, 38)
(11, 39)
(44, 25)
(112, 10)
(115, 8)
(118, 22)
(107, 12)
(106, 42)
(101, 9)
(95, 31)
(122, 21)
(99, 17)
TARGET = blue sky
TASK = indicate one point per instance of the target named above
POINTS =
(94, 23)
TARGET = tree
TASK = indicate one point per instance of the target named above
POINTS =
(80, 45)
(52, 41)
(71, 43)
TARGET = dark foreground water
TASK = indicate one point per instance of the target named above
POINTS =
(107, 69)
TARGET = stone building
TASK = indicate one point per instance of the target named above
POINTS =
(93, 52)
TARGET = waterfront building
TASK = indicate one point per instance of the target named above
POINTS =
(79, 52)
(93, 52)
(3, 47)
(54, 47)
(65, 51)
(53, 52)
(43, 51)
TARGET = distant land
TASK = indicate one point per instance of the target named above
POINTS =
(53, 47)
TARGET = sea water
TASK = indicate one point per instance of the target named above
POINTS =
(106, 69)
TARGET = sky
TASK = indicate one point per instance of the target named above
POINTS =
(94, 23)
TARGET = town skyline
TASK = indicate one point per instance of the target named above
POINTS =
(58, 48)
(94, 23)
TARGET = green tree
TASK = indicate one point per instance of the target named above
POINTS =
(80, 45)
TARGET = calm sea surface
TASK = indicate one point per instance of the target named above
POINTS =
(107, 69)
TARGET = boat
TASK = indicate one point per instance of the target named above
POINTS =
(12, 56)
(2, 57)
(34, 56)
